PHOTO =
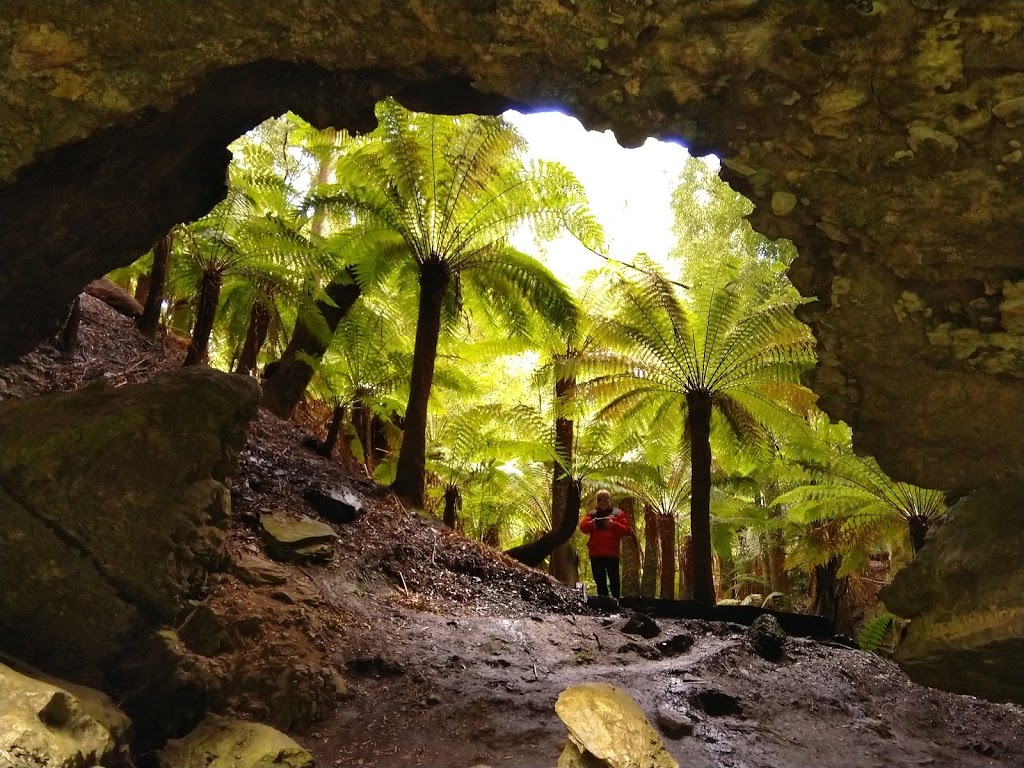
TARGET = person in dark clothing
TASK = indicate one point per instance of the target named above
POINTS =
(605, 525)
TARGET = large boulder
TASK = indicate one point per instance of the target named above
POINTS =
(607, 729)
(50, 722)
(964, 594)
(114, 511)
(220, 742)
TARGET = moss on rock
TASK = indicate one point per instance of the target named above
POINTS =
(114, 510)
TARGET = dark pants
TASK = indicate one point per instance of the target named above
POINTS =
(606, 571)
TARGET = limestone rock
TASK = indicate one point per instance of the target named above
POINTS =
(300, 539)
(964, 594)
(334, 505)
(49, 722)
(256, 571)
(114, 508)
(608, 729)
(673, 723)
(219, 742)
(766, 637)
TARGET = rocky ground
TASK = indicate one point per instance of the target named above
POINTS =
(411, 646)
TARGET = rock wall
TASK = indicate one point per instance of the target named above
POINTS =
(964, 594)
(114, 511)
(883, 138)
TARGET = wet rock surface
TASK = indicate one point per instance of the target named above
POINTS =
(767, 638)
(76, 593)
(224, 743)
(45, 721)
(608, 729)
(964, 594)
(297, 539)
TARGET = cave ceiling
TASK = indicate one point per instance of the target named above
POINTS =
(883, 138)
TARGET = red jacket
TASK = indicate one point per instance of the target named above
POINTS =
(604, 542)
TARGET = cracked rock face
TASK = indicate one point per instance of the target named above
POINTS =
(114, 511)
(883, 138)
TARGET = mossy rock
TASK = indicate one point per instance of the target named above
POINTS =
(115, 510)
(219, 742)
(46, 721)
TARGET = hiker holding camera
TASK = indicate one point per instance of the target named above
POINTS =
(605, 525)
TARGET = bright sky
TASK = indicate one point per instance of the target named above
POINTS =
(630, 190)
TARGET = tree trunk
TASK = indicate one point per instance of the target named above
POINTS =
(686, 569)
(777, 562)
(828, 589)
(649, 579)
(563, 558)
(533, 554)
(726, 578)
(918, 525)
(667, 535)
(333, 430)
(149, 321)
(452, 505)
(285, 386)
(362, 420)
(180, 319)
(209, 297)
(698, 418)
(630, 553)
(255, 337)
(69, 333)
(411, 469)
(142, 289)
(492, 536)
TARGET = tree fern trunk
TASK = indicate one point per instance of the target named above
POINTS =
(667, 535)
(630, 553)
(291, 374)
(534, 553)
(777, 562)
(686, 568)
(334, 429)
(918, 525)
(828, 590)
(409, 474)
(649, 579)
(142, 289)
(452, 502)
(563, 559)
(362, 420)
(149, 322)
(255, 337)
(726, 578)
(698, 418)
(209, 297)
(69, 333)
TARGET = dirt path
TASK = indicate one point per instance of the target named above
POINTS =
(433, 690)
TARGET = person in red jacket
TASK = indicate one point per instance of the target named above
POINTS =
(605, 525)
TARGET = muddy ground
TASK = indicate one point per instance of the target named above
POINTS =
(453, 655)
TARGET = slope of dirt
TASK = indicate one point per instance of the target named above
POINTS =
(452, 655)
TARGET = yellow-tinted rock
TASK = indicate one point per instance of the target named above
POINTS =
(783, 203)
(50, 722)
(604, 722)
(219, 742)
